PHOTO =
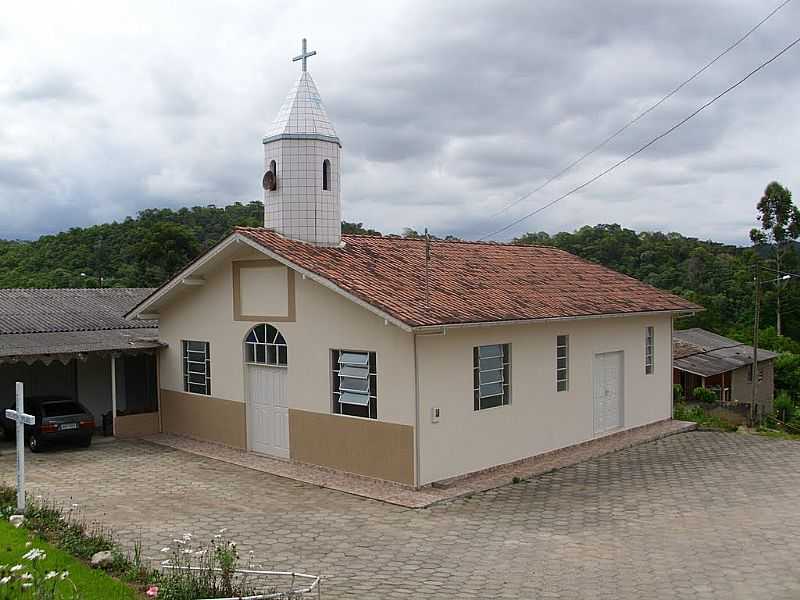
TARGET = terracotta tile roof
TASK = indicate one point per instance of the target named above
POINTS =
(470, 282)
(63, 309)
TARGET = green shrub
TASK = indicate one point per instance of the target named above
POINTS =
(784, 406)
(698, 414)
(677, 392)
(702, 394)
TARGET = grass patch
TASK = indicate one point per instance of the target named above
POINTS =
(778, 434)
(92, 584)
(699, 415)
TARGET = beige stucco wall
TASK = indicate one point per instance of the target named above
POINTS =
(742, 389)
(324, 320)
(538, 419)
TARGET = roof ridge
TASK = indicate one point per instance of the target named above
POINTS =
(397, 237)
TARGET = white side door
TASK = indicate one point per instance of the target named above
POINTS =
(608, 391)
(267, 410)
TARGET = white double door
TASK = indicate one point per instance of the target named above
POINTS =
(267, 410)
(608, 391)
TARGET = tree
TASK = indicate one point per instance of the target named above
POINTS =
(163, 249)
(780, 224)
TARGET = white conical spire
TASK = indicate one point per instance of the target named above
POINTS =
(302, 116)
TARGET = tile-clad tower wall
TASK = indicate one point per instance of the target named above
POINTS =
(299, 208)
(299, 140)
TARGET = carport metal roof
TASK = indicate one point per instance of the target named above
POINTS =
(62, 324)
(66, 345)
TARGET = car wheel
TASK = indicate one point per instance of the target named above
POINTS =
(34, 443)
(86, 442)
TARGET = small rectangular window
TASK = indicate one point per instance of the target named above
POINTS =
(562, 363)
(750, 373)
(196, 367)
(354, 383)
(491, 375)
(648, 351)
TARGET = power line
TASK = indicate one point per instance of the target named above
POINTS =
(642, 114)
(647, 145)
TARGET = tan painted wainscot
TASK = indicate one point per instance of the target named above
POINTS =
(364, 446)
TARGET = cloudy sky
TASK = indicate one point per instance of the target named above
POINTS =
(447, 111)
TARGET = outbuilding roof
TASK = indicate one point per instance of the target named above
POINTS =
(705, 353)
(64, 309)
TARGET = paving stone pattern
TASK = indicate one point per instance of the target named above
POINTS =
(695, 515)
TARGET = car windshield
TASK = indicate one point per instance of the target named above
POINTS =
(61, 409)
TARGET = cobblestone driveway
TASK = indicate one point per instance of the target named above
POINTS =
(700, 515)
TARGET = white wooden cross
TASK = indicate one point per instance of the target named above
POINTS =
(21, 419)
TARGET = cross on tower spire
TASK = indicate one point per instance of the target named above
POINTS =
(304, 55)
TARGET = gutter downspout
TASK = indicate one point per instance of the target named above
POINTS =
(417, 435)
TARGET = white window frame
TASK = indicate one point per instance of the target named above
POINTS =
(354, 383)
(265, 345)
(562, 372)
(196, 365)
(649, 350)
(484, 363)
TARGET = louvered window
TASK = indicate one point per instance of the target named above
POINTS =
(491, 375)
(196, 367)
(354, 383)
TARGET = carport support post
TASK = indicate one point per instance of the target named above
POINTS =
(114, 395)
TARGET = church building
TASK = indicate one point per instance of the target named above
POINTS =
(398, 359)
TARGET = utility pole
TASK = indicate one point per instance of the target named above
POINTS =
(778, 290)
(754, 398)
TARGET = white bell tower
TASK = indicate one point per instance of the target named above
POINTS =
(302, 156)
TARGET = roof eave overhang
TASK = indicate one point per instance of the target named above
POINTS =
(239, 238)
(441, 326)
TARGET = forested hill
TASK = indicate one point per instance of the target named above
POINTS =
(146, 250)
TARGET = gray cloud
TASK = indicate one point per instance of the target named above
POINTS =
(55, 86)
(447, 111)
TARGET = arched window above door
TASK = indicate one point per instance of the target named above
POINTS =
(265, 345)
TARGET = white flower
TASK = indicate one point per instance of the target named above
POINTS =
(16, 568)
(64, 574)
(26, 576)
(5, 580)
(181, 542)
(34, 554)
(50, 575)
(28, 544)
(166, 549)
(25, 586)
(187, 551)
(200, 552)
(74, 505)
(187, 536)
(223, 530)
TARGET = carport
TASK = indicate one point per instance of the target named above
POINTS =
(76, 344)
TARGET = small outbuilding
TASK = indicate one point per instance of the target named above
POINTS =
(77, 344)
(704, 359)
